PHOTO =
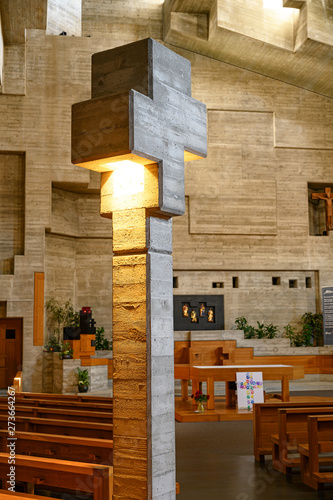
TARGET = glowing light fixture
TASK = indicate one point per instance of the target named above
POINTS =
(272, 4)
(128, 178)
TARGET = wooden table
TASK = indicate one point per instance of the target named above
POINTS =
(227, 373)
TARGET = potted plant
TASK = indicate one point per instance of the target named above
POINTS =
(61, 316)
(66, 351)
(101, 343)
(52, 345)
(83, 379)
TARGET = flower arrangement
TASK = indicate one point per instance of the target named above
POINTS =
(199, 397)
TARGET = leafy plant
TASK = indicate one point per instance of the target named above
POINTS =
(52, 344)
(60, 316)
(101, 343)
(261, 332)
(242, 324)
(295, 337)
(65, 350)
(312, 328)
(82, 377)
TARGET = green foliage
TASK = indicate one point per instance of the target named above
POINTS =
(60, 316)
(82, 377)
(311, 333)
(65, 350)
(261, 332)
(102, 343)
(312, 328)
(293, 335)
(242, 324)
(52, 345)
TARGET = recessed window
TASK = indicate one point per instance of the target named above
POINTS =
(276, 280)
(10, 334)
(218, 284)
(292, 283)
(235, 282)
(308, 283)
(175, 282)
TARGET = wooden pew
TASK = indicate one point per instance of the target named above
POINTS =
(107, 406)
(10, 495)
(265, 423)
(320, 441)
(63, 397)
(292, 430)
(62, 413)
(58, 426)
(64, 474)
(78, 449)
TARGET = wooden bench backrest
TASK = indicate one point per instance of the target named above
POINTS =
(79, 449)
(50, 403)
(77, 476)
(12, 495)
(293, 422)
(320, 428)
(265, 422)
(57, 426)
(62, 413)
(63, 397)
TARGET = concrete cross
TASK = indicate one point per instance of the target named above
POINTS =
(141, 110)
(141, 107)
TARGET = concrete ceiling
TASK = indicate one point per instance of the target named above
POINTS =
(293, 44)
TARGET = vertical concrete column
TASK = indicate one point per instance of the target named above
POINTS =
(144, 465)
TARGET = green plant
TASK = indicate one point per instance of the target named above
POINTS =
(102, 343)
(242, 324)
(52, 344)
(312, 328)
(65, 350)
(261, 332)
(61, 316)
(295, 337)
(82, 377)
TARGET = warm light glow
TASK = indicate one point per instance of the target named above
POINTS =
(128, 178)
(272, 4)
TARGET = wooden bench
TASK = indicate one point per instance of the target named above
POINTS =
(265, 423)
(50, 403)
(62, 397)
(10, 495)
(62, 413)
(292, 430)
(64, 474)
(320, 441)
(78, 449)
(62, 427)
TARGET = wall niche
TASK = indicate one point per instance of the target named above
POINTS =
(317, 212)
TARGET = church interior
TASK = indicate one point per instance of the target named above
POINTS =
(166, 244)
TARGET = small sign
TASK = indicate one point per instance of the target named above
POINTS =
(250, 389)
(327, 295)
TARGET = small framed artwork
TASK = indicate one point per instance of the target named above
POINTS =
(211, 315)
(185, 310)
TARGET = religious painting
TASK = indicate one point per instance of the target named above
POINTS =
(197, 312)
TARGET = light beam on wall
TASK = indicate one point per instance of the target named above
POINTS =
(128, 178)
(272, 4)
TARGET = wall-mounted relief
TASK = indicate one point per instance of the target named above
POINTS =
(197, 312)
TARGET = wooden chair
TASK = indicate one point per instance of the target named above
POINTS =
(320, 442)
(64, 474)
(292, 430)
(265, 423)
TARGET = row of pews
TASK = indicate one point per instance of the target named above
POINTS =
(63, 443)
(297, 435)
